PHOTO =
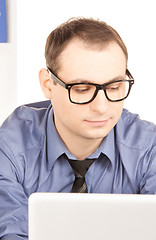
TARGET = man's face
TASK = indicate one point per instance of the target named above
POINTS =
(80, 63)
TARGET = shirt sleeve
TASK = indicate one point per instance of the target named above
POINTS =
(13, 201)
(13, 237)
(147, 172)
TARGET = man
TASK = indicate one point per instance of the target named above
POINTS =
(82, 131)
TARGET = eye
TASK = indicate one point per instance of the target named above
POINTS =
(114, 86)
(81, 88)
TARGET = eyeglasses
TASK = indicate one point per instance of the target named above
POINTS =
(83, 93)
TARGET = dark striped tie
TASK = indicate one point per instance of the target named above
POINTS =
(80, 167)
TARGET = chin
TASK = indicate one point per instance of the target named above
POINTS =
(96, 135)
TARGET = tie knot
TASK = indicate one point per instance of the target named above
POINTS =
(80, 167)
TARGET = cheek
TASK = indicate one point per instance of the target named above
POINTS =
(62, 106)
(59, 96)
(118, 107)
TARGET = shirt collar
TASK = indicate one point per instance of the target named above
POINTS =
(56, 147)
(107, 146)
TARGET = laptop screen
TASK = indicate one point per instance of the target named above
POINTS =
(68, 216)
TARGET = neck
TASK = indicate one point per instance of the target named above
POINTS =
(80, 147)
(83, 150)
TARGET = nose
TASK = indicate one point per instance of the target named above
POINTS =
(100, 103)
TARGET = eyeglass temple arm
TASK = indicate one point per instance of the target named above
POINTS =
(129, 74)
(56, 79)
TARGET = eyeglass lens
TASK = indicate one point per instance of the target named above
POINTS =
(82, 93)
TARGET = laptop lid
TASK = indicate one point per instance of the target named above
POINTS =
(71, 216)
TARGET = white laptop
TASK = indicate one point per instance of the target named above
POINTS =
(70, 216)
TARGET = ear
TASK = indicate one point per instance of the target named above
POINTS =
(45, 82)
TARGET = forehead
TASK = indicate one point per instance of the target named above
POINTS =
(80, 61)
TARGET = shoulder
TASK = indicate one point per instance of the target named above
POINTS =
(134, 132)
(25, 127)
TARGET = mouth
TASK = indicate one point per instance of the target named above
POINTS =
(97, 123)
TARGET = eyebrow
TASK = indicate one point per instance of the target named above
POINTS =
(86, 81)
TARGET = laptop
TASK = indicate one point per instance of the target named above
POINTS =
(75, 216)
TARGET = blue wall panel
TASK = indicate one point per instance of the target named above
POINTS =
(3, 24)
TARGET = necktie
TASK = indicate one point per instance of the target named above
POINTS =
(80, 168)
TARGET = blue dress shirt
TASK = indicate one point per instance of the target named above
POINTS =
(32, 160)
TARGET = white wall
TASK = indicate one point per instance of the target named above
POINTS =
(135, 21)
(8, 64)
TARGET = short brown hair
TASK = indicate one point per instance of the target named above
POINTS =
(92, 32)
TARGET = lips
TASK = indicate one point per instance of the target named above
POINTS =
(97, 123)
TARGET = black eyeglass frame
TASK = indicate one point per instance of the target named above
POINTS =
(98, 86)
